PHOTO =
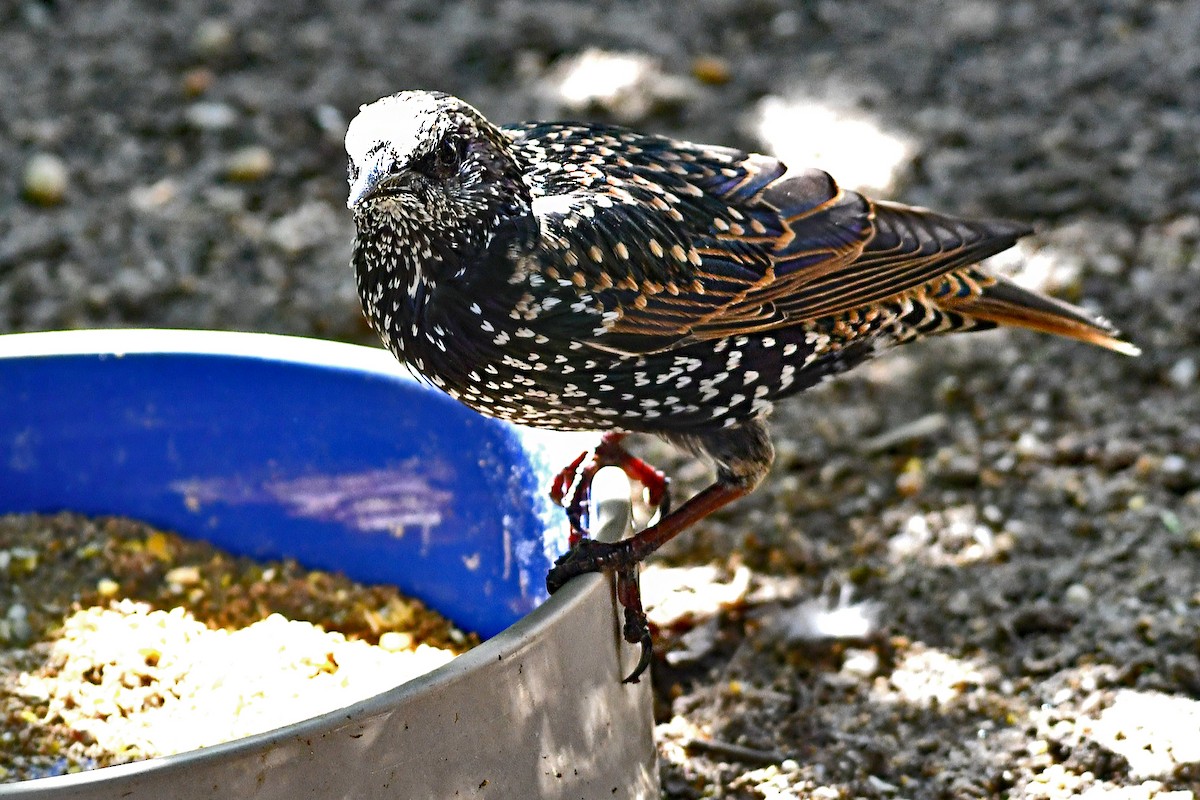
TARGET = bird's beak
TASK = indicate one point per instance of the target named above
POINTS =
(372, 180)
(366, 185)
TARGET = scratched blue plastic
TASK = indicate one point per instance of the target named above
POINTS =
(370, 474)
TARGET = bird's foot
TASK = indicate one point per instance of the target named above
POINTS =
(621, 558)
(589, 555)
(577, 476)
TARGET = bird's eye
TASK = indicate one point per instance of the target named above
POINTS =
(448, 156)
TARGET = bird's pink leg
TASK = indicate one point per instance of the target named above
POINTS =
(609, 453)
(623, 558)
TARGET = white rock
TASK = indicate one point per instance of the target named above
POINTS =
(45, 180)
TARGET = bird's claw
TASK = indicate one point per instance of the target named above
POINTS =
(589, 555)
(637, 628)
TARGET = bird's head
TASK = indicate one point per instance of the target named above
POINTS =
(433, 170)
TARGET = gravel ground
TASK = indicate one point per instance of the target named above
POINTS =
(974, 570)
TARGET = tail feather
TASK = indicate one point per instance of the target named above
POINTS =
(1006, 303)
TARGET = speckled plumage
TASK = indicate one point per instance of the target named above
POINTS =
(590, 277)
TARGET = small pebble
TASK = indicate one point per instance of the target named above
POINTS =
(1077, 595)
(306, 226)
(249, 164)
(912, 480)
(154, 196)
(45, 180)
(959, 470)
(1176, 473)
(961, 603)
(1173, 463)
(212, 38)
(860, 663)
(20, 632)
(1029, 446)
(198, 81)
(331, 121)
(1183, 373)
(712, 70)
(975, 19)
(17, 629)
(210, 116)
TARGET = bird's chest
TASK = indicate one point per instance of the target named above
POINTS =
(414, 315)
(442, 319)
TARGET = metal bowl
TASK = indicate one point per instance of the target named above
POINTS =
(331, 454)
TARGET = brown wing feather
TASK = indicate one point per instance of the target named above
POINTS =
(910, 247)
(815, 226)
(839, 251)
(779, 248)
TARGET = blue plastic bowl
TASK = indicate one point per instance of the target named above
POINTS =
(331, 454)
(273, 446)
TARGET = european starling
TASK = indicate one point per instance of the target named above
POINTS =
(589, 277)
